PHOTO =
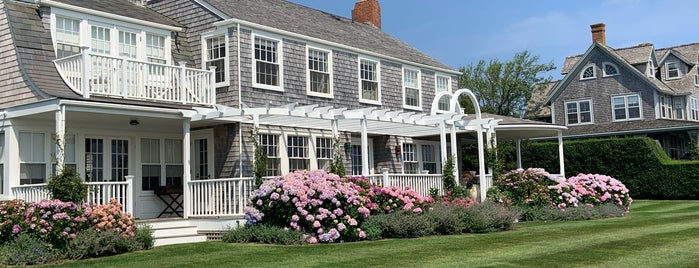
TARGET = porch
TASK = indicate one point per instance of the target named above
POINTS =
(91, 74)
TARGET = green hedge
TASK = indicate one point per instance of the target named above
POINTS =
(637, 162)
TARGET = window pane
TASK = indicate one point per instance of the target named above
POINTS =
(173, 151)
(32, 173)
(150, 177)
(173, 175)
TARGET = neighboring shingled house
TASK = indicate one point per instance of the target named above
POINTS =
(633, 91)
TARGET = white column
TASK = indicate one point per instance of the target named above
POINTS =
(11, 158)
(365, 147)
(481, 163)
(129, 194)
(454, 153)
(443, 142)
(183, 90)
(519, 153)
(561, 163)
(86, 65)
(60, 141)
(186, 167)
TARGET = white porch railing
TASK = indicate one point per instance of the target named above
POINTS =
(91, 74)
(219, 197)
(421, 183)
(98, 192)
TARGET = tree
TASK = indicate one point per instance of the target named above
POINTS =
(259, 166)
(504, 88)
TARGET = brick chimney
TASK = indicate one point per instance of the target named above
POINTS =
(367, 11)
(598, 33)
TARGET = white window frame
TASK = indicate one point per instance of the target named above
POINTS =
(594, 72)
(276, 148)
(626, 108)
(418, 77)
(42, 159)
(678, 107)
(329, 72)
(409, 157)
(604, 69)
(323, 151)
(694, 109)
(303, 151)
(667, 70)
(86, 21)
(280, 61)
(577, 102)
(226, 58)
(377, 66)
(438, 76)
(696, 80)
(208, 135)
(355, 141)
(73, 43)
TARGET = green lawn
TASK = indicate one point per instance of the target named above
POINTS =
(654, 234)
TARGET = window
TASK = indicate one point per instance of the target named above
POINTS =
(201, 159)
(356, 157)
(150, 164)
(215, 54)
(101, 40)
(429, 158)
(578, 112)
(127, 44)
(651, 69)
(324, 152)
(369, 81)
(665, 103)
(411, 88)
(155, 49)
(443, 84)
(120, 159)
(696, 80)
(267, 71)
(409, 159)
(679, 107)
(626, 107)
(67, 37)
(609, 69)
(153, 165)
(174, 169)
(694, 108)
(32, 157)
(672, 69)
(94, 159)
(297, 152)
(319, 72)
(588, 72)
(270, 145)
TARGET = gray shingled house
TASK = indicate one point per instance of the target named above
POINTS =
(632, 91)
(153, 102)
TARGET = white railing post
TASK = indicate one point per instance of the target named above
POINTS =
(124, 77)
(212, 80)
(86, 72)
(183, 74)
(129, 194)
(384, 172)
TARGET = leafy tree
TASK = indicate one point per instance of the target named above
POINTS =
(504, 88)
(67, 186)
(259, 168)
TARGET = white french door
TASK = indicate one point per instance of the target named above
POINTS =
(106, 159)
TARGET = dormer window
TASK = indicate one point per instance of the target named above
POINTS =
(67, 37)
(610, 69)
(673, 70)
(588, 72)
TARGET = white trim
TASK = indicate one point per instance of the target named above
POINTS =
(377, 64)
(329, 71)
(87, 13)
(279, 61)
(211, 8)
(226, 59)
(227, 22)
(449, 89)
(578, 101)
(604, 69)
(418, 72)
(693, 109)
(627, 116)
(594, 72)
(696, 80)
(208, 135)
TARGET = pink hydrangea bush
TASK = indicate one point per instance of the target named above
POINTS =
(325, 207)
(589, 190)
(450, 200)
(58, 222)
(525, 187)
(391, 199)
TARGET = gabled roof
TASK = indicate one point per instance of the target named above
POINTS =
(124, 8)
(632, 127)
(634, 55)
(688, 53)
(579, 64)
(535, 105)
(298, 19)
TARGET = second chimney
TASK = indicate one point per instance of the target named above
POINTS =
(367, 11)
(598, 34)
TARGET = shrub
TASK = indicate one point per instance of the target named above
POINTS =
(26, 249)
(392, 199)
(67, 186)
(264, 234)
(590, 190)
(606, 210)
(446, 218)
(489, 217)
(144, 235)
(109, 217)
(94, 243)
(324, 206)
(526, 187)
(52, 221)
(400, 224)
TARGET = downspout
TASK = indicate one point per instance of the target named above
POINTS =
(240, 104)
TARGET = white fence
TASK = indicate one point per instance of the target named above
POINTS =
(91, 74)
(421, 183)
(218, 197)
(99, 193)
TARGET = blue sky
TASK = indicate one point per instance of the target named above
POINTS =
(459, 32)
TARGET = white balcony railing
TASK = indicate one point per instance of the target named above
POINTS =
(99, 193)
(92, 74)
